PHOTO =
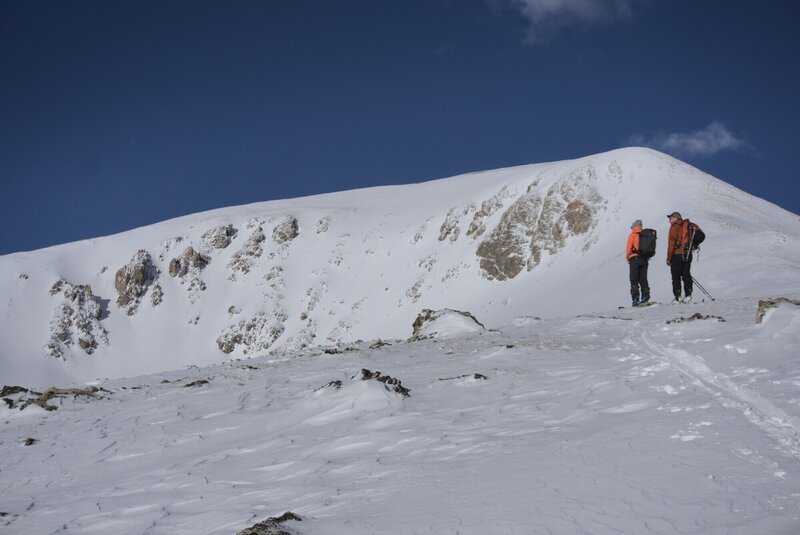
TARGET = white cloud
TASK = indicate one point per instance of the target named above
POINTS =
(547, 17)
(710, 140)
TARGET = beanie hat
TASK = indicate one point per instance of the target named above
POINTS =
(637, 223)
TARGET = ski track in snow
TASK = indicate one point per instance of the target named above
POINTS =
(780, 426)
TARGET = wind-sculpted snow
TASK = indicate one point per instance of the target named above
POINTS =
(620, 422)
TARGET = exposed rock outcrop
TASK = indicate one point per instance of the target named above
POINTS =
(488, 208)
(765, 304)
(218, 237)
(445, 322)
(76, 320)
(535, 225)
(19, 397)
(286, 230)
(569, 209)
(392, 384)
(271, 526)
(505, 252)
(451, 228)
(188, 267)
(180, 266)
(323, 225)
(255, 335)
(694, 317)
(243, 259)
(134, 280)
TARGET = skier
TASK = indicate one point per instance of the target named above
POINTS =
(679, 259)
(637, 266)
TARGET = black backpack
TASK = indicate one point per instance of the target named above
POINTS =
(697, 236)
(692, 238)
(694, 235)
(647, 243)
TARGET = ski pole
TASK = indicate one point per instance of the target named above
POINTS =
(701, 288)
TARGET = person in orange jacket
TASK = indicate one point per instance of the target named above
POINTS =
(679, 259)
(637, 266)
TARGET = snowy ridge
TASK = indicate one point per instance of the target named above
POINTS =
(541, 240)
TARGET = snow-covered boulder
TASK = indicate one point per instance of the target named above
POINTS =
(445, 322)
(765, 305)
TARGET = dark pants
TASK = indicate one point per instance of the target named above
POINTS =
(681, 270)
(638, 269)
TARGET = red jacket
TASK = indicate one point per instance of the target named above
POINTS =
(633, 244)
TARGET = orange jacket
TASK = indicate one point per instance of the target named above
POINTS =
(676, 238)
(633, 244)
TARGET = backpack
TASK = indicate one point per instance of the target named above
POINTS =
(691, 238)
(647, 243)
(692, 235)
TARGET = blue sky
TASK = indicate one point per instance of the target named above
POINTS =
(118, 114)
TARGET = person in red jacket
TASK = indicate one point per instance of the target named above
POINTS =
(637, 266)
(679, 259)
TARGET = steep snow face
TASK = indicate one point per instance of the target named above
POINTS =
(540, 240)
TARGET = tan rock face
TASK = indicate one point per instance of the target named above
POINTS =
(504, 253)
(180, 266)
(286, 230)
(187, 267)
(134, 280)
(535, 225)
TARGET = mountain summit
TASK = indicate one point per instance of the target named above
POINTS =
(537, 240)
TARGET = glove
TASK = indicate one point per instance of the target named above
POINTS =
(669, 262)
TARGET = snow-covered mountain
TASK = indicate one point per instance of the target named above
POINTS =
(541, 240)
(545, 410)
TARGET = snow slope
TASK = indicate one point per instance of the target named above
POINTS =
(667, 419)
(541, 240)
